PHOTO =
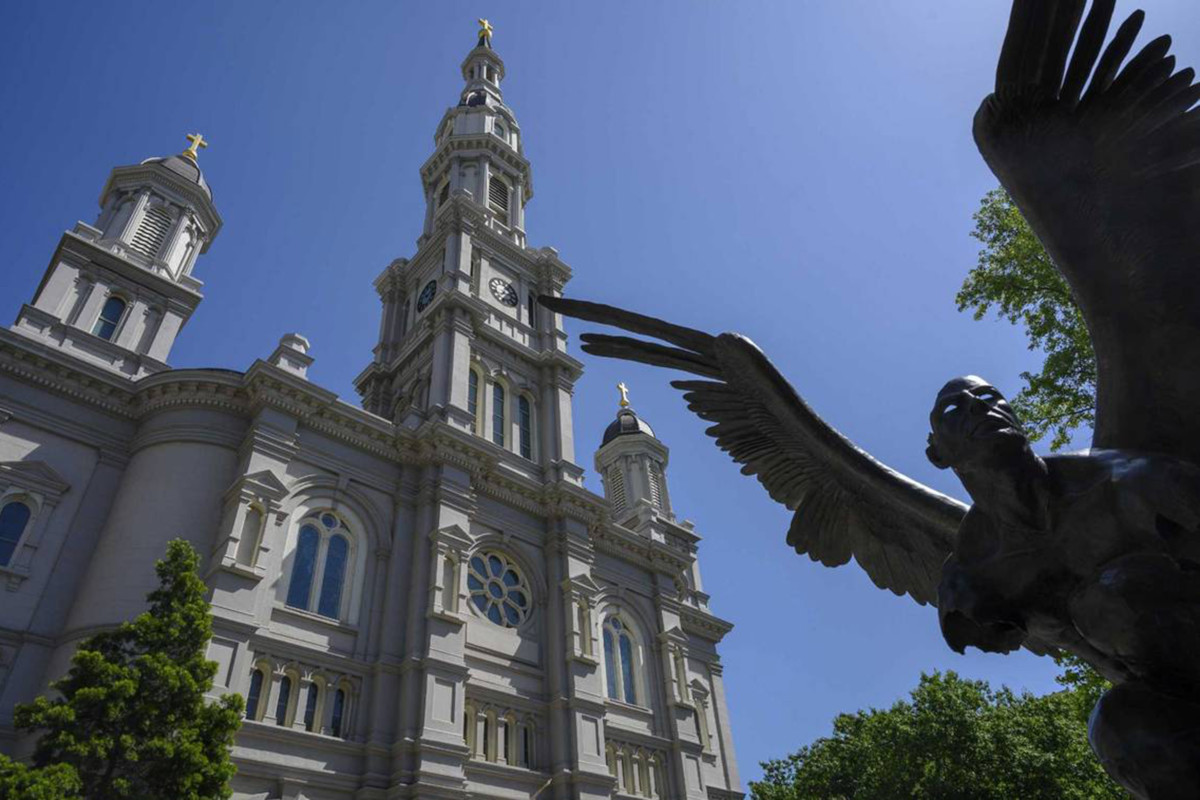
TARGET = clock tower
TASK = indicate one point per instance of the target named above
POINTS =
(461, 337)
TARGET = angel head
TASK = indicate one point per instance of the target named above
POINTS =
(971, 421)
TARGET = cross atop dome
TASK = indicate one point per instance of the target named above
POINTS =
(485, 33)
(196, 143)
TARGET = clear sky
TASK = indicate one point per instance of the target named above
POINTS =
(801, 172)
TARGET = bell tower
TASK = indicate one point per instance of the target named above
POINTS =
(117, 293)
(632, 463)
(461, 337)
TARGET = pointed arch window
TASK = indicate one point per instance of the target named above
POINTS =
(525, 426)
(110, 318)
(14, 519)
(324, 547)
(619, 660)
(498, 414)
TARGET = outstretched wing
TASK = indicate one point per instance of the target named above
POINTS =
(1109, 179)
(846, 503)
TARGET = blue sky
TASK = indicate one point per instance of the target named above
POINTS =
(801, 172)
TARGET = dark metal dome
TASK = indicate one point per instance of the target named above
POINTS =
(627, 422)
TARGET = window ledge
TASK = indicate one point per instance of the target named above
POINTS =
(14, 576)
(314, 617)
(253, 573)
(453, 617)
(621, 704)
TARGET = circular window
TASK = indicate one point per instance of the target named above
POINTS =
(498, 590)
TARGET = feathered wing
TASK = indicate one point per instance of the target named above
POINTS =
(1107, 172)
(846, 503)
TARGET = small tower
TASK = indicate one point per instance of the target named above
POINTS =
(632, 463)
(117, 293)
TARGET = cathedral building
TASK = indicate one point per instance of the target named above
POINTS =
(416, 595)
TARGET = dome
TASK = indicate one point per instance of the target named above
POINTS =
(627, 422)
(185, 168)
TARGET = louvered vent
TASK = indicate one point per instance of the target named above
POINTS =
(498, 195)
(616, 489)
(152, 232)
(655, 485)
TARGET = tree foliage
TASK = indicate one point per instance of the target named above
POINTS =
(130, 719)
(1016, 278)
(953, 739)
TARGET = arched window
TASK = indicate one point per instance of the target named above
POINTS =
(14, 517)
(498, 589)
(498, 414)
(254, 695)
(618, 660)
(338, 714)
(110, 318)
(525, 426)
(285, 697)
(323, 547)
(473, 398)
(310, 706)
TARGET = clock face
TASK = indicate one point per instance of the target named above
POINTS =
(503, 291)
(426, 296)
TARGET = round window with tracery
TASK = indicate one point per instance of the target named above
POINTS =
(498, 590)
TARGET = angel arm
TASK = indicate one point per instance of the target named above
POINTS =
(1107, 172)
(846, 503)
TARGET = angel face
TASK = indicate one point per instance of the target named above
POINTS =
(970, 421)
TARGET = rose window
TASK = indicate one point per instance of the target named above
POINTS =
(498, 590)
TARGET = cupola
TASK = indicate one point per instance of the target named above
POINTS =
(632, 463)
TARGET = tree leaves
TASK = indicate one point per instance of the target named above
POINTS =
(953, 739)
(132, 720)
(1016, 278)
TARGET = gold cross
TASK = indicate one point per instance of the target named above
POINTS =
(624, 390)
(197, 142)
(485, 30)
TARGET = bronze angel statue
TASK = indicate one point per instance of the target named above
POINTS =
(1098, 552)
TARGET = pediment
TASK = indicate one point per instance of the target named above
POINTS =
(36, 476)
(264, 483)
(583, 583)
(453, 535)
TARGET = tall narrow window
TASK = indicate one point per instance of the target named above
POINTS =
(473, 396)
(444, 194)
(285, 696)
(14, 516)
(655, 477)
(310, 707)
(305, 563)
(498, 414)
(330, 603)
(110, 318)
(616, 488)
(531, 318)
(339, 711)
(618, 661)
(525, 427)
(255, 693)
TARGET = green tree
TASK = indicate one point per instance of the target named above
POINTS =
(1016, 277)
(131, 720)
(954, 739)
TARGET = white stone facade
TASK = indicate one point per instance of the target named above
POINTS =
(417, 596)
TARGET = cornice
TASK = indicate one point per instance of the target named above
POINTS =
(703, 624)
(94, 253)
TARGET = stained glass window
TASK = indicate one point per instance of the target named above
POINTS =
(619, 664)
(335, 573)
(498, 589)
(13, 519)
(303, 565)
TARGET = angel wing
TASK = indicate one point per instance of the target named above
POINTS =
(1109, 179)
(846, 503)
